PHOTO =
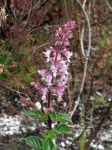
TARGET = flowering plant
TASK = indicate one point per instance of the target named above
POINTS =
(54, 83)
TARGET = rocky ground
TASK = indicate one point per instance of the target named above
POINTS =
(13, 129)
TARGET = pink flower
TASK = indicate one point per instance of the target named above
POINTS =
(44, 93)
(54, 70)
(60, 91)
(46, 111)
(36, 85)
(52, 49)
(70, 25)
(63, 68)
(42, 72)
(59, 32)
(61, 83)
(47, 54)
(67, 54)
(64, 78)
(44, 90)
(48, 79)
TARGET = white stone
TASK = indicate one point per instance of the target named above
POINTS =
(62, 144)
(38, 105)
(68, 142)
(93, 145)
(100, 147)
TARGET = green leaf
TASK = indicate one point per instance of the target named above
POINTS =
(83, 141)
(28, 78)
(32, 69)
(23, 69)
(23, 46)
(35, 114)
(63, 128)
(34, 142)
(2, 59)
(7, 47)
(57, 148)
(53, 116)
(48, 144)
(63, 117)
(100, 45)
(16, 57)
(2, 76)
(8, 60)
(49, 134)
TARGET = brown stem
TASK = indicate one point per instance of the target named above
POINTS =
(49, 104)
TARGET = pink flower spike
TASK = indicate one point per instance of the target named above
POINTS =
(58, 57)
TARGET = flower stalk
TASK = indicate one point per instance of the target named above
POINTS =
(54, 79)
(56, 75)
